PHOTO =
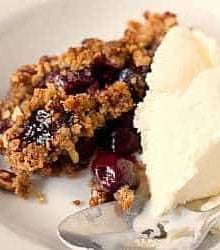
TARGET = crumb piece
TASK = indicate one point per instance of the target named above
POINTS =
(40, 197)
(98, 197)
(76, 202)
(125, 197)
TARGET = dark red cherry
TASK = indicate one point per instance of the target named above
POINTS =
(113, 170)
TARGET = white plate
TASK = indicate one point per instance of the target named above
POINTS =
(50, 28)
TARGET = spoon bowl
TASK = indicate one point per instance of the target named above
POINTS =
(108, 227)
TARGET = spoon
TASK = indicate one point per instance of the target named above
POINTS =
(107, 227)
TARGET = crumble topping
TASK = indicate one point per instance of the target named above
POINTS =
(40, 136)
(56, 108)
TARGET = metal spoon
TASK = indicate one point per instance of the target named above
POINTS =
(108, 227)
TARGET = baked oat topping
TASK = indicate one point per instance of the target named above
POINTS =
(62, 109)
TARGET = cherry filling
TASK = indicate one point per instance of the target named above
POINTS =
(86, 148)
(113, 171)
(104, 72)
(73, 82)
(66, 120)
(38, 128)
(119, 136)
(124, 140)
(96, 76)
(112, 165)
(88, 79)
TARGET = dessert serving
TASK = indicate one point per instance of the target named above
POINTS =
(72, 111)
(130, 123)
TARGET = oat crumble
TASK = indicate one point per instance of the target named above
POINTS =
(56, 106)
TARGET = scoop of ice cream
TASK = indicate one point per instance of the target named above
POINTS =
(179, 121)
(182, 55)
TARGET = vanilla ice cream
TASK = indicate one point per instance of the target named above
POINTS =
(179, 120)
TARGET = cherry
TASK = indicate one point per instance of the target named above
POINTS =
(113, 170)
